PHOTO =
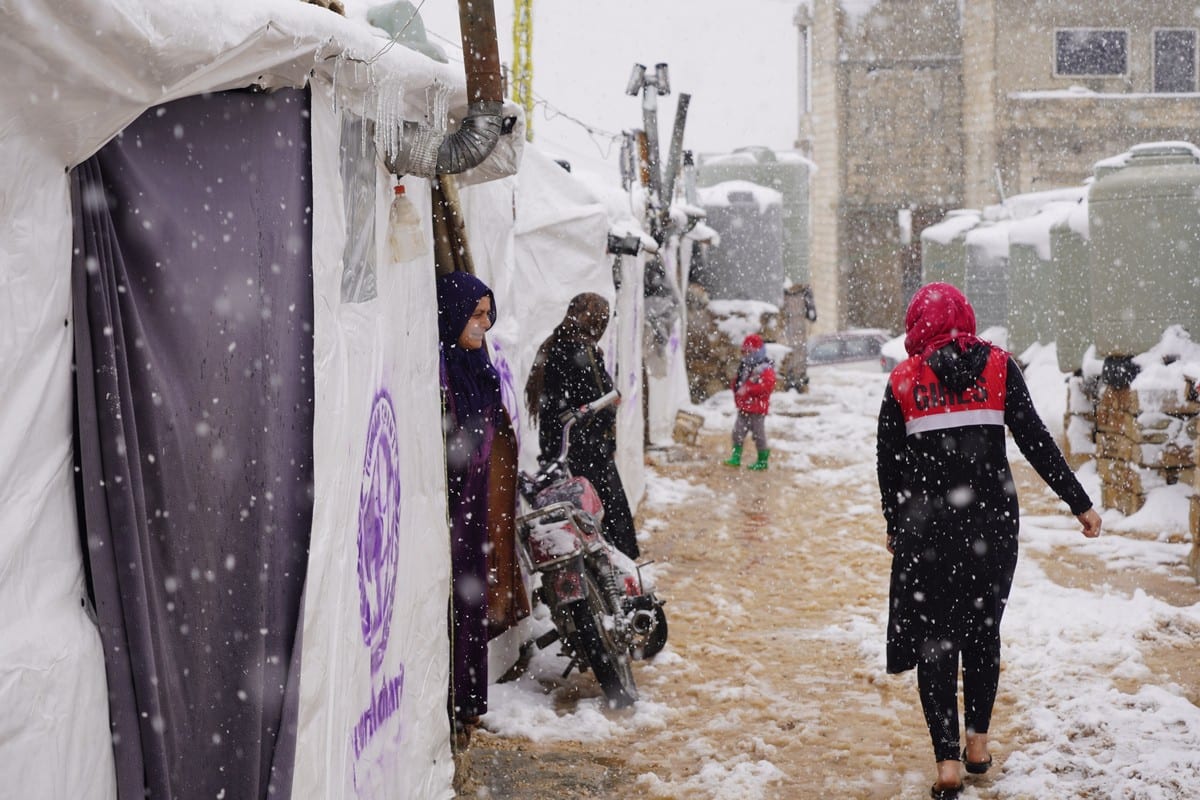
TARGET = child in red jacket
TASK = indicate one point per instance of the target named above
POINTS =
(752, 393)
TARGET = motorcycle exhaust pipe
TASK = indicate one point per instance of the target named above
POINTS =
(643, 622)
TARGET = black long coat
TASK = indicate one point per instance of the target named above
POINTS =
(575, 375)
(952, 515)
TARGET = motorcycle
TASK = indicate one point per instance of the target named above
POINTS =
(605, 611)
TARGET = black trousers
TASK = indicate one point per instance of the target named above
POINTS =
(618, 519)
(937, 680)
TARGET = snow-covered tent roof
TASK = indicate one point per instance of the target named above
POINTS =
(76, 74)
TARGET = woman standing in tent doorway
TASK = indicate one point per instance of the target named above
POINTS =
(951, 508)
(568, 372)
(476, 426)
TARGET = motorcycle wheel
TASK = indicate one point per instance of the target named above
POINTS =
(609, 662)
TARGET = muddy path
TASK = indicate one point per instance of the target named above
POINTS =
(773, 684)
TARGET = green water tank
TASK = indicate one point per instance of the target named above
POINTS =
(1073, 309)
(986, 281)
(788, 173)
(1070, 243)
(944, 248)
(1032, 284)
(748, 264)
(1145, 254)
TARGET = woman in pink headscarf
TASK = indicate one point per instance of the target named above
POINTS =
(950, 503)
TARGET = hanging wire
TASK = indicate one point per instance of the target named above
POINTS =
(551, 111)
(456, 45)
(603, 140)
(390, 44)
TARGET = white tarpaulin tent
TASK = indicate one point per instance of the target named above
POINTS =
(557, 249)
(371, 710)
(370, 719)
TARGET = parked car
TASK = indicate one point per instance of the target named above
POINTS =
(856, 348)
(892, 353)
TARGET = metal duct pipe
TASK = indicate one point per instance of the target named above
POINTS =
(426, 153)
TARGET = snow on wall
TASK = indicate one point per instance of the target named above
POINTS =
(955, 223)
(1158, 378)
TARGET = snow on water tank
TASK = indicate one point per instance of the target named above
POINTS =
(748, 262)
(1145, 254)
(1032, 285)
(944, 248)
(986, 282)
(1073, 317)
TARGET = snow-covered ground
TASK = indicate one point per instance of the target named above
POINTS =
(1080, 672)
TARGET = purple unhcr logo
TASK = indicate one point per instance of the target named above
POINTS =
(377, 733)
(379, 528)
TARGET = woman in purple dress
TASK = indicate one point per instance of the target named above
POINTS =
(471, 408)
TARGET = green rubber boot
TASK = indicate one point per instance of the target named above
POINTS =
(761, 464)
(734, 460)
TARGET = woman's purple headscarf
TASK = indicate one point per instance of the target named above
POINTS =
(471, 380)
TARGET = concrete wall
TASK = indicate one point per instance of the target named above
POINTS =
(822, 130)
(979, 103)
(1047, 143)
(918, 103)
(1024, 119)
(1024, 55)
(903, 146)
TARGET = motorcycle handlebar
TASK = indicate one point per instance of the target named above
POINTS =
(604, 401)
(573, 416)
(531, 483)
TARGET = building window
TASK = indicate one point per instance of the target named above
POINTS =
(1089, 51)
(1175, 60)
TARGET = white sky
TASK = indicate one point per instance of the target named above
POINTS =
(736, 58)
(1065, 648)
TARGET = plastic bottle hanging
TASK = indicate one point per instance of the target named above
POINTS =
(406, 235)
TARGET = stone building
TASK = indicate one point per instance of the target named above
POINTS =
(911, 108)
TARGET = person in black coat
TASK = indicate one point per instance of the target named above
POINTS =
(567, 373)
(950, 503)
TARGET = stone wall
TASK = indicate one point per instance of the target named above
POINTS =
(1049, 142)
(1144, 439)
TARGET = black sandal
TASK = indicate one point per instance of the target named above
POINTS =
(946, 792)
(976, 767)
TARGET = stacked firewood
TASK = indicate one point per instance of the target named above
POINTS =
(714, 339)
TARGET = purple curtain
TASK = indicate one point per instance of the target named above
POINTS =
(193, 306)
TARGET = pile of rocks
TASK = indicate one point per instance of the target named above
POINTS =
(1141, 437)
(1145, 439)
